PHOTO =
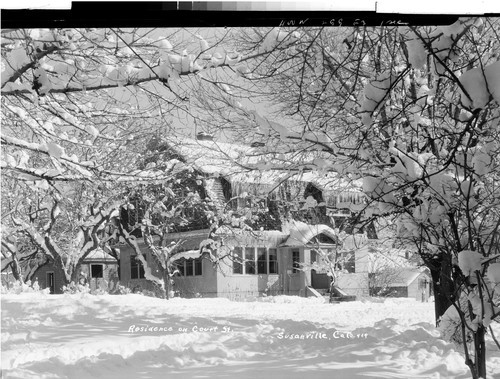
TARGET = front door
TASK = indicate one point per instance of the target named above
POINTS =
(319, 280)
(51, 283)
(96, 276)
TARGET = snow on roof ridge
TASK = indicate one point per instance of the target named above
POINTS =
(301, 233)
(406, 276)
(238, 164)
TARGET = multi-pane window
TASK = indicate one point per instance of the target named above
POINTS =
(273, 261)
(251, 260)
(261, 260)
(295, 260)
(198, 264)
(136, 268)
(180, 267)
(190, 267)
(237, 261)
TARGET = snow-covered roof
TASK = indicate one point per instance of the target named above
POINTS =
(189, 254)
(405, 277)
(99, 255)
(237, 164)
(264, 238)
(301, 233)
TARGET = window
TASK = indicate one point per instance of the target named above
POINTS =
(296, 261)
(198, 265)
(136, 268)
(190, 267)
(249, 260)
(180, 267)
(261, 260)
(273, 261)
(256, 261)
(323, 238)
(237, 260)
(96, 271)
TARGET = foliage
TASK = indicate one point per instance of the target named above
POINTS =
(410, 115)
(75, 288)
(21, 287)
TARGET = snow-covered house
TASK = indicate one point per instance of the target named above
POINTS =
(99, 270)
(255, 263)
(267, 259)
(384, 271)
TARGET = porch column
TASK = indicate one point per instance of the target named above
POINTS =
(307, 263)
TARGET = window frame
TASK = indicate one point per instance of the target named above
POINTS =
(248, 257)
(137, 267)
(237, 258)
(92, 265)
(250, 263)
(190, 267)
(275, 261)
(262, 264)
(296, 261)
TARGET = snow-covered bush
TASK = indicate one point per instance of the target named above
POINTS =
(121, 290)
(73, 288)
(19, 287)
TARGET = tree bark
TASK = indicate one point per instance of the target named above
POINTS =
(480, 352)
(166, 283)
(441, 271)
(16, 268)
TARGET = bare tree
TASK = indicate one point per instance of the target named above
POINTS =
(412, 113)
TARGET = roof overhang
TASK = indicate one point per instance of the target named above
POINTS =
(301, 234)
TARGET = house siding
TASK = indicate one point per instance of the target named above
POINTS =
(41, 277)
(109, 280)
(354, 284)
(420, 291)
(204, 285)
(186, 286)
(241, 286)
(125, 271)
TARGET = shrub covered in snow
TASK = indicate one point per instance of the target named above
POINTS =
(19, 287)
(73, 288)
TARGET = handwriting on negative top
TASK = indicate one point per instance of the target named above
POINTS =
(341, 22)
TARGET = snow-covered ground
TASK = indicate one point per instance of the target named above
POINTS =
(86, 336)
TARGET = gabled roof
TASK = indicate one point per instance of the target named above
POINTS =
(246, 164)
(99, 255)
(405, 277)
(301, 234)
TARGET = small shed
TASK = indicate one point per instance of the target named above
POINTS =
(100, 271)
(412, 283)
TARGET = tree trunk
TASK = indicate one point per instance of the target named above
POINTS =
(16, 268)
(442, 284)
(58, 264)
(166, 284)
(480, 352)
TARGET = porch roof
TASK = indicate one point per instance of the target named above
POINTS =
(301, 234)
(99, 255)
(264, 238)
